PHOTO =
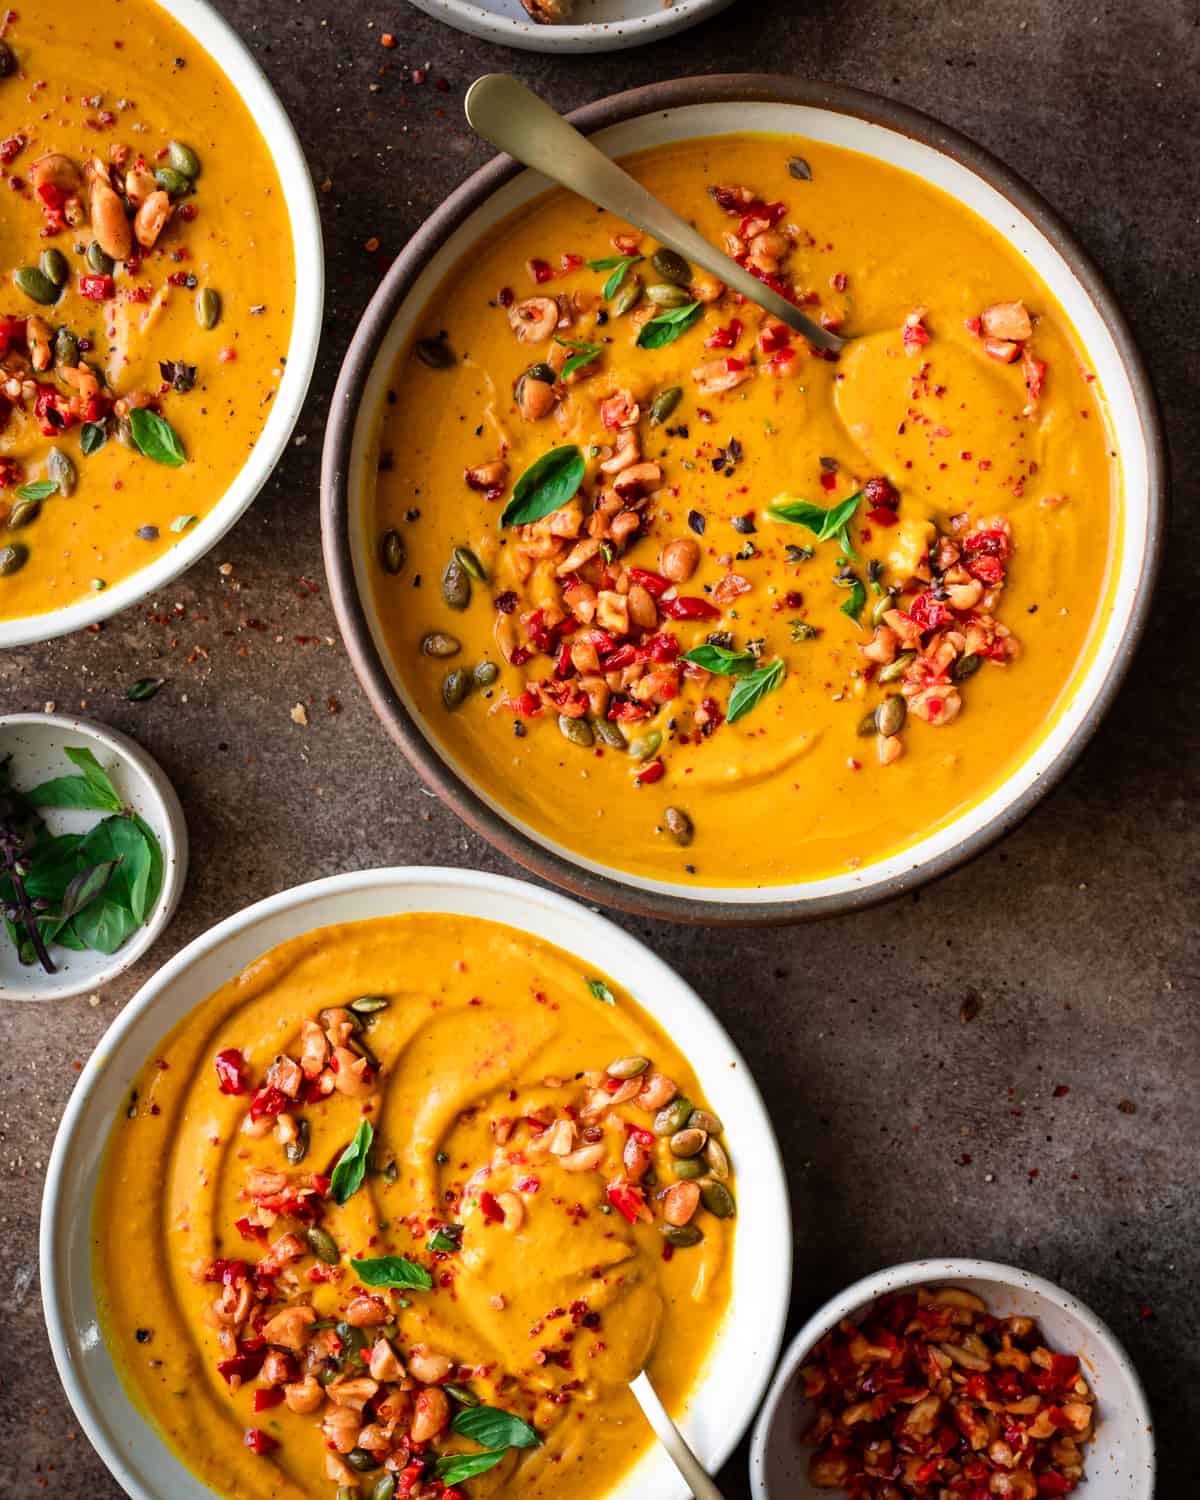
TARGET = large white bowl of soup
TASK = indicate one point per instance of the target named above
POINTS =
(162, 286)
(689, 617)
(389, 1184)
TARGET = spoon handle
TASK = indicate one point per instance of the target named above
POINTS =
(672, 1440)
(503, 111)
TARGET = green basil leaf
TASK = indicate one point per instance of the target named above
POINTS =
(748, 692)
(492, 1428)
(718, 659)
(125, 840)
(92, 437)
(453, 1468)
(858, 598)
(52, 868)
(156, 438)
(70, 791)
(85, 887)
(393, 1270)
(94, 774)
(666, 328)
(545, 485)
(143, 688)
(601, 991)
(351, 1166)
(619, 266)
(448, 1238)
(37, 489)
(104, 925)
(154, 877)
(585, 355)
(833, 522)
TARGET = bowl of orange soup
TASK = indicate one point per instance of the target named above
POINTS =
(388, 1185)
(162, 288)
(682, 613)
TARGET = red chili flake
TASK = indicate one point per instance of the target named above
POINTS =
(97, 288)
(231, 1071)
(648, 775)
(265, 1399)
(11, 148)
(251, 1231)
(506, 602)
(1061, 1090)
(838, 281)
(881, 516)
(268, 1100)
(881, 491)
(528, 1184)
(688, 608)
(260, 1442)
(628, 1200)
(725, 338)
(928, 612)
(245, 1364)
(490, 1209)
(541, 270)
(653, 583)
(986, 569)
(662, 647)
(617, 660)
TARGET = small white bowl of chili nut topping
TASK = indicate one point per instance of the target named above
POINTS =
(954, 1380)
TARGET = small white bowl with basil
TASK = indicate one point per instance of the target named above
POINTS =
(93, 855)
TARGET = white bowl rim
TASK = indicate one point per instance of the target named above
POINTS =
(592, 36)
(210, 31)
(937, 1271)
(770, 1323)
(174, 852)
(964, 836)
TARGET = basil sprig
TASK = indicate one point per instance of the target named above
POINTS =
(37, 489)
(601, 991)
(858, 593)
(393, 1270)
(491, 1427)
(666, 328)
(92, 437)
(545, 485)
(749, 691)
(584, 354)
(156, 438)
(719, 659)
(453, 1468)
(351, 1166)
(824, 524)
(619, 266)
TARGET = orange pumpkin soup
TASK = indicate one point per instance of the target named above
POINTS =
(689, 598)
(148, 294)
(399, 1211)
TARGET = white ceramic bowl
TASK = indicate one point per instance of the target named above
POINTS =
(1119, 1463)
(687, 109)
(733, 1382)
(226, 48)
(595, 25)
(36, 743)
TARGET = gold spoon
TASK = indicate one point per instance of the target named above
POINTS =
(514, 119)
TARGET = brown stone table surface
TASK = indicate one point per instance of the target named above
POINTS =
(1057, 1127)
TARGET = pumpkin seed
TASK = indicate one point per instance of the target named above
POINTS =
(53, 265)
(462, 1394)
(322, 1244)
(8, 60)
(436, 353)
(717, 1158)
(866, 725)
(22, 513)
(456, 584)
(681, 1235)
(645, 745)
(467, 558)
(485, 674)
(542, 372)
(578, 731)
(687, 1142)
(125, 433)
(688, 1167)
(667, 294)
(664, 404)
(672, 1117)
(369, 1005)
(183, 159)
(12, 559)
(208, 307)
(99, 260)
(799, 169)
(66, 348)
(704, 1119)
(627, 297)
(890, 715)
(671, 266)
(679, 825)
(628, 1067)
(717, 1198)
(36, 284)
(440, 643)
(384, 1487)
(965, 666)
(361, 1460)
(609, 734)
(456, 685)
(897, 668)
(881, 607)
(392, 551)
(347, 1492)
(296, 1150)
(173, 182)
(62, 470)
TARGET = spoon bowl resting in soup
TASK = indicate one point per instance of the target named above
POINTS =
(685, 614)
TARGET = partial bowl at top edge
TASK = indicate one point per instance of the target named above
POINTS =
(722, 1403)
(686, 109)
(619, 27)
(1119, 1461)
(232, 56)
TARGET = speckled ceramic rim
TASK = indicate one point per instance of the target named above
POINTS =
(576, 36)
(336, 499)
(217, 38)
(955, 1273)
